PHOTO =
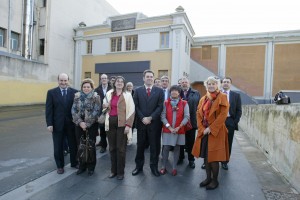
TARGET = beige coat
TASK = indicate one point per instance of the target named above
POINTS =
(218, 138)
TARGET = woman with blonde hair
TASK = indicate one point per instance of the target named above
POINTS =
(211, 142)
(85, 112)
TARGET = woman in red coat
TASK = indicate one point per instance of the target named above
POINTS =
(211, 142)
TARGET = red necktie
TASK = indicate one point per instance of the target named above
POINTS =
(148, 92)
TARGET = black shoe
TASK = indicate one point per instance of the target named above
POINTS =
(180, 161)
(80, 171)
(224, 166)
(91, 172)
(212, 185)
(155, 171)
(65, 153)
(120, 177)
(136, 171)
(203, 166)
(112, 175)
(204, 183)
(192, 164)
(102, 150)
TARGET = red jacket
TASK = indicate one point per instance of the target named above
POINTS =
(179, 115)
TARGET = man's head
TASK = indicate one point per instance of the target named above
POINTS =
(103, 79)
(179, 82)
(112, 80)
(185, 83)
(63, 80)
(226, 83)
(157, 82)
(148, 77)
(164, 82)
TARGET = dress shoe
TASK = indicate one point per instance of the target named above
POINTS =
(192, 164)
(203, 166)
(155, 171)
(212, 185)
(163, 171)
(112, 175)
(60, 170)
(75, 166)
(224, 166)
(102, 150)
(174, 172)
(136, 171)
(80, 171)
(180, 161)
(90, 172)
(204, 183)
(120, 177)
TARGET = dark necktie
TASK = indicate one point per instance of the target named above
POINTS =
(148, 92)
(64, 95)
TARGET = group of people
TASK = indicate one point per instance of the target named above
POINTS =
(166, 118)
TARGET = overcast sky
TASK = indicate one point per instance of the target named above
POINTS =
(223, 17)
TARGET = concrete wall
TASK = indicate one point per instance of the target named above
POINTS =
(276, 130)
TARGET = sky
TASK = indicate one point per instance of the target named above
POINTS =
(223, 17)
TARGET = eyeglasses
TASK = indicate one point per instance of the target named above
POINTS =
(225, 81)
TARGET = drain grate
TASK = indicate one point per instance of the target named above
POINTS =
(275, 195)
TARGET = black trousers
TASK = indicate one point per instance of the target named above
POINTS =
(152, 132)
(189, 143)
(117, 141)
(103, 141)
(93, 132)
(58, 145)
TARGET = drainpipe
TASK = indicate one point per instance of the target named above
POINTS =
(8, 27)
(28, 27)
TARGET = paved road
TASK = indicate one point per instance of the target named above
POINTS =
(26, 146)
(27, 170)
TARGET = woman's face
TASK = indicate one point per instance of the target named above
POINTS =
(174, 94)
(86, 88)
(129, 88)
(212, 86)
(119, 83)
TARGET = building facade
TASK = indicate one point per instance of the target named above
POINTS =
(36, 44)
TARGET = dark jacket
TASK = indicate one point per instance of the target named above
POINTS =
(193, 98)
(57, 113)
(235, 109)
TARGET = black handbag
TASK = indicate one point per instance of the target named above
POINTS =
(281, 98)
(86, 150)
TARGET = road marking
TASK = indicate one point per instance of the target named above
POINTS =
(33, 187)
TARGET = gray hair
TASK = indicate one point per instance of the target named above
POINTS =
(214, 79)
(129, 83)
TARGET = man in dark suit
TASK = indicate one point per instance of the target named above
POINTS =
(234, 114)
(165, 86)
(192, 97)
(59, 121)
(101, 90)
(148, 101)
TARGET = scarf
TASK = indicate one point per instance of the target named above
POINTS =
(210, 97)
(86, 102)
(174, 103)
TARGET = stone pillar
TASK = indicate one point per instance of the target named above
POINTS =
(269, 68)
(222, 61)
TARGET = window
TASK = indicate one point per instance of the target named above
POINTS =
(116, 44)
(42, 46)
(162, 73)
(164, 40)
(131, 42)
(44, 2)
(89, 46)
(206, 52)
(2, 37)
(87, 75)
(14, 41)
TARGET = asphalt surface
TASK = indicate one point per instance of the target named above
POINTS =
(28, 171)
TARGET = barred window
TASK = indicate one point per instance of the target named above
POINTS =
(164, 40)
(89, 46)
(116, 44)
(131, 42)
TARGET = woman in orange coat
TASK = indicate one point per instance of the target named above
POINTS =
(211, 142)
